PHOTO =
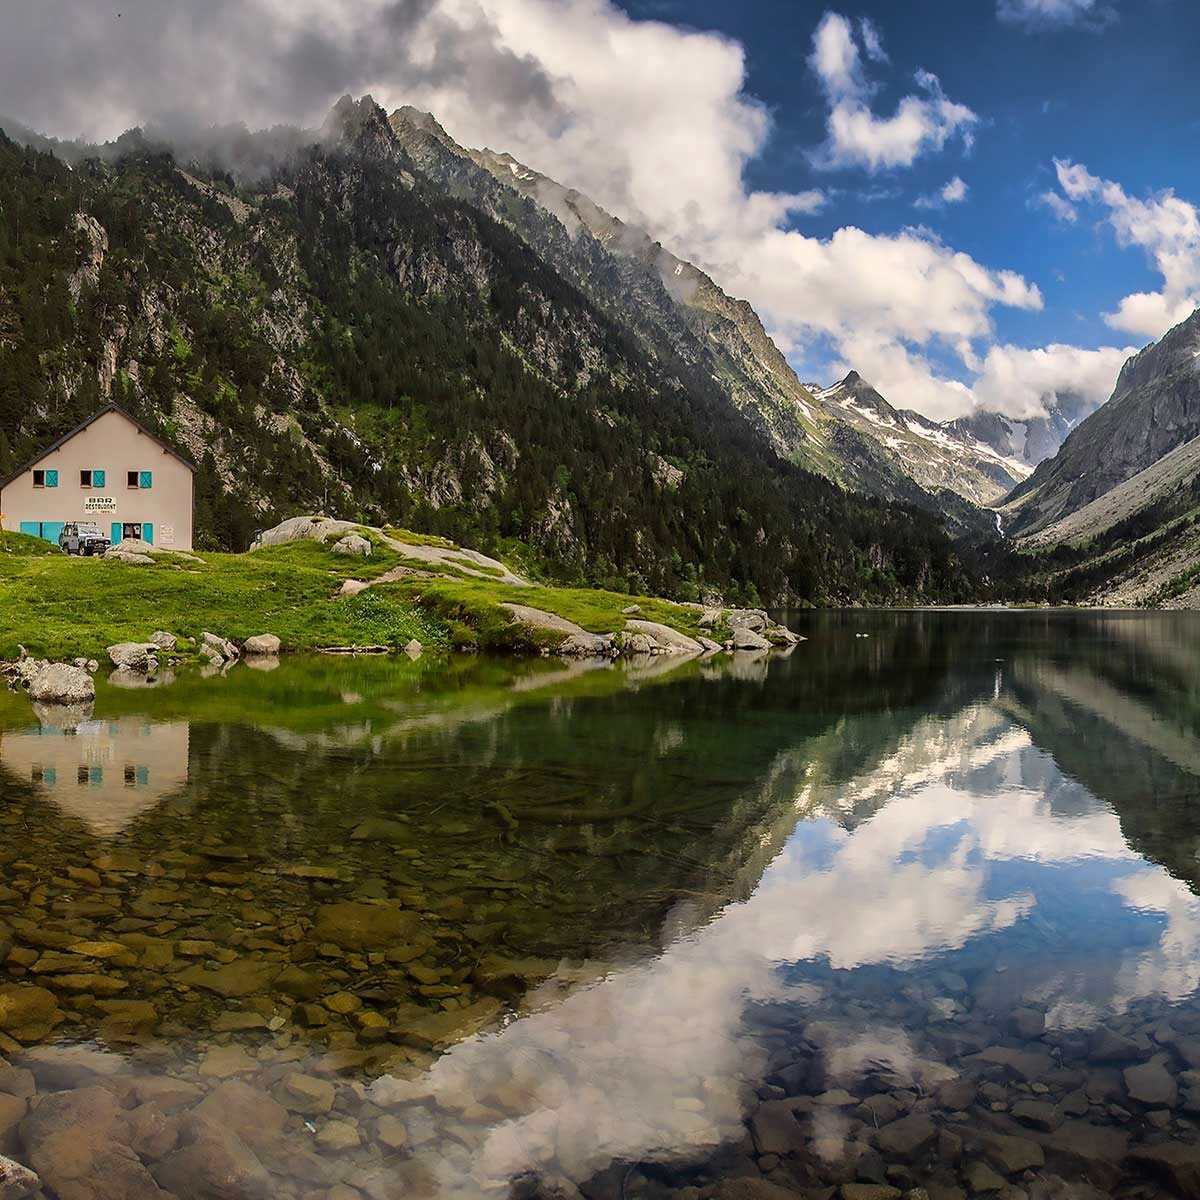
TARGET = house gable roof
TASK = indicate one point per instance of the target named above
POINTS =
(66, 437)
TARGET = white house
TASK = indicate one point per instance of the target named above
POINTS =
(110, 472)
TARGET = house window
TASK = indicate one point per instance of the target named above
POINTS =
(91, 479)
(45, 479)
(140, 479)
(132, 530)
(81, 776)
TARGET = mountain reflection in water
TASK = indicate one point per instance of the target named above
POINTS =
(915, 909)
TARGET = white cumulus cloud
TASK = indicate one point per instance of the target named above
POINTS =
(953, 192)
(1036, 15)
(922, 122)
(1018, 381)
(1164, 226)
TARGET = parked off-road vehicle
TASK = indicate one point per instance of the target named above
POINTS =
(85, 540)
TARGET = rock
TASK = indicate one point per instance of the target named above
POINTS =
(214, 1164)
(16, 1181)
(980, 1178)
(1107, 1046)
(306, 1094)
(751, 1188)
(336, 1137)
(58, 683)
(262, 643)
(1038, 1114)
(709, 646)
(588, 645)
(218, 646)
(390, 1133)
(744, 638)
(1081, 1148)
(222, 1062)
(249, 1112)
(61, 1068)
(666, 637)
(1152, 1084)
(355, 925)
(134, 559)
(351, 587)
(353, 544)
(414, 649)
(868, 1191)
(298, 983)
(637, 643)
(27, 1014)
(1010, 1154)
(1030, 1023)
(1176, 1163)
(754, 619)
(1023, 1064)
(12, 1113)
(132, 656)
(75, 1143)
(775, 1128)
(428, 1029)
(907, 1137)
(163, 640)
(243, 977)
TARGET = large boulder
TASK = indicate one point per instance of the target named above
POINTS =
(668, 639)
(742, 637)
(164, 640)
(300, 529)
(353, 544)
(133, 656)
(262, 643)
(58, 683)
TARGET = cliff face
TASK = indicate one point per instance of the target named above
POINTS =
(1154, 408)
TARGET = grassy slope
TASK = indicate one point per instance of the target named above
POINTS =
(61, 607)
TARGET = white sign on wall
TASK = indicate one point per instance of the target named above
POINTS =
(95, 504)
(166, 535)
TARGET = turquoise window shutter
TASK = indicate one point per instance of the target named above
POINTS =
(97, 479)
(52, 479)
(145, 479)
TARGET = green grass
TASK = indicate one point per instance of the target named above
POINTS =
(61, 607)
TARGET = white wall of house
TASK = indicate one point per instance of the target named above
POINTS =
(111, 474)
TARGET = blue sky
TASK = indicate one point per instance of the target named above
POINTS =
(975, 203)
(1119, 93)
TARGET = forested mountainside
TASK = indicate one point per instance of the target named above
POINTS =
(349, 332)
(1114, 516)
(671, 302)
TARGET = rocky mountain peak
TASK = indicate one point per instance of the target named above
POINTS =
(361, 123)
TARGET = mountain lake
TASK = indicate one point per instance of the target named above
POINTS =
(910, 910)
